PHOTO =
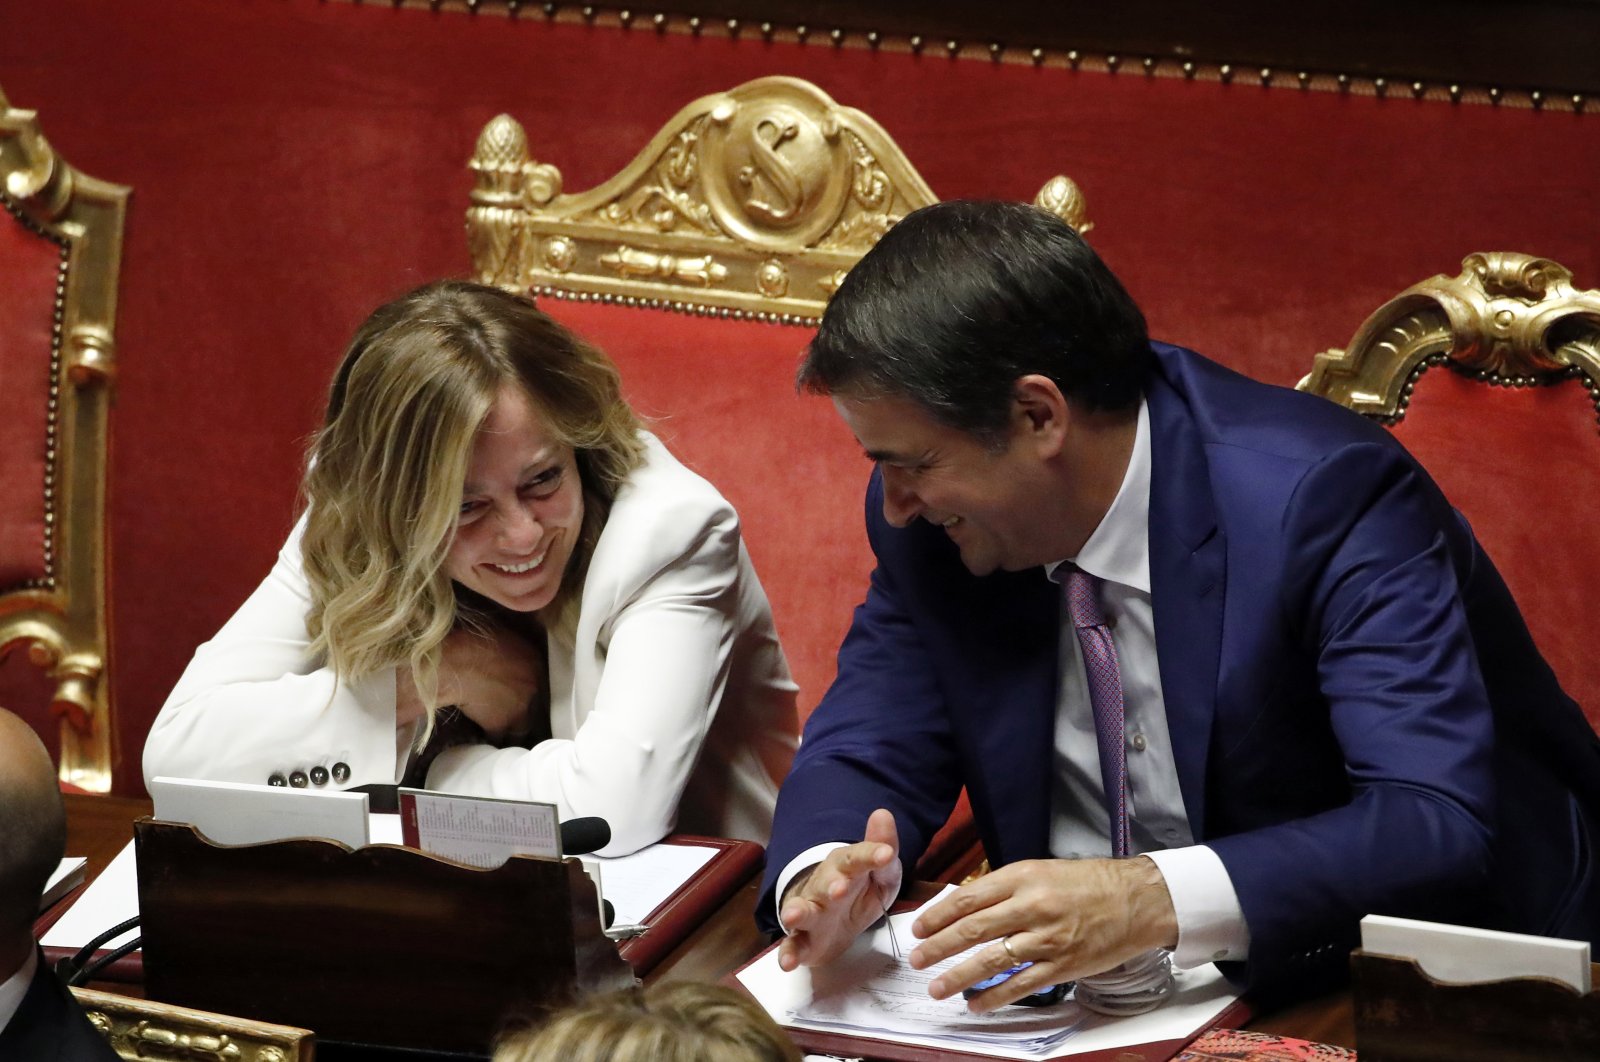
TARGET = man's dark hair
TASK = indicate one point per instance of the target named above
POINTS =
(960, 299)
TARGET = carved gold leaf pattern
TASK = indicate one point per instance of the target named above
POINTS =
(753, 201)
(61, 619)
(1506, 317)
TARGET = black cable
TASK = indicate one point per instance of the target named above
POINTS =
(69, 969)
(86, 974)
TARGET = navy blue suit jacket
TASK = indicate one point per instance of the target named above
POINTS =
(49, 1026)
(1336, 653)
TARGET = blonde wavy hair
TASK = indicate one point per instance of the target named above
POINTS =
(383, 479)
(680, 1022)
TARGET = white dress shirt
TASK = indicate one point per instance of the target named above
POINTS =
(1210, 922)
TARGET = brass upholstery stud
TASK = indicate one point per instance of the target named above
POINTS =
(1225, 71)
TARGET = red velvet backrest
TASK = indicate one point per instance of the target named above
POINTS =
(30, 269)
(60, 252)
(30, 266)
(721, 394)
(1523, 465)
(1492, 379)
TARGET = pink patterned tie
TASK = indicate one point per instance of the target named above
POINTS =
(1105, 695)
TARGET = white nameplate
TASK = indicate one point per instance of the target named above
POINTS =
(1464, 955)
(239, 813)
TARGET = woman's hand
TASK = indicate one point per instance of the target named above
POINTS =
(493, 678)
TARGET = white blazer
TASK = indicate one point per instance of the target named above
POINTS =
(671, 705)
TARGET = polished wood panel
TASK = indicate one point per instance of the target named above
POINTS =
(99, 827)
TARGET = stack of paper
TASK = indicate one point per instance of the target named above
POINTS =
(871, 992)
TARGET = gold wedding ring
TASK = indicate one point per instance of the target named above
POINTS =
(1005, 942)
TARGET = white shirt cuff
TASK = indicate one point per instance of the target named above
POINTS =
(805, 860)
(1211, 926)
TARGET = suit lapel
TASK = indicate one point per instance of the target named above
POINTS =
(1188, 569)
(1015, 619)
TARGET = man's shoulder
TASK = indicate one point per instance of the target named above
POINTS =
(50, 1026)
(1225, 408)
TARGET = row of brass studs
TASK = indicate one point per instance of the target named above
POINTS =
(998, 51)
(677, 306)
(1550, 379)
(57, 325)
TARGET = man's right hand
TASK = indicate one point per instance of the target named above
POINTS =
(828, 906)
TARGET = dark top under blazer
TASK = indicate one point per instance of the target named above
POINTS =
(49, 1026)
(1336, 652)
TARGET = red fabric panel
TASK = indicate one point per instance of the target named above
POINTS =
(297, 162)
(721, 395)
(28, 271)
(1523, 464)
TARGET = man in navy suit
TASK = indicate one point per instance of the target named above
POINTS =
(1332, 705)
(39, 1019)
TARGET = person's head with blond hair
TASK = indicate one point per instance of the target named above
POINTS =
(425, 377)
(680, 1022)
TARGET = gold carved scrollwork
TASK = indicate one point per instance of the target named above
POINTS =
(629, 262)
(1506, 317)
(61, 617)
(754, 201)
(146, 1035)
(160, 1032)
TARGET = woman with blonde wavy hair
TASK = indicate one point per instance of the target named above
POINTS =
(503, 586)
(680, 1022)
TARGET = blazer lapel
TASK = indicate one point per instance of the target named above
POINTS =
(1013, 623)
(1188, 570)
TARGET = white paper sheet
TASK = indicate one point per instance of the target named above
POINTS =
(110, 898)
(639, 883)
(870, 992)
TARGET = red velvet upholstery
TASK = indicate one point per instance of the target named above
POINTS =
(1522, 463)
(29, 268)
(296, 163)
(721, 394)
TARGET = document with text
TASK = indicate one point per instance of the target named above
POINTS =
(872, 992)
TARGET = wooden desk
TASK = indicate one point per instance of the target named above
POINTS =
(99, 827)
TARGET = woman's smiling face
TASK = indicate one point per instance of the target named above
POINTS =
(521, 508)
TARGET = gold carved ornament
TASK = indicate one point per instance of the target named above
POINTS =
(753, 203)
(159, 1032)
(1508, 318)
(61, 618)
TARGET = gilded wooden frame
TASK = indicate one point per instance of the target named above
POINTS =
(62, 617)
(1507, 318)
(146, 1030)
(749, 203)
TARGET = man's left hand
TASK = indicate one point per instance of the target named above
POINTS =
(1071, 918)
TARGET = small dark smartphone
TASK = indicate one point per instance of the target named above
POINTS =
(1045, 997)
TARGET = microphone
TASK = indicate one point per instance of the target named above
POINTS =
(584, 835)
